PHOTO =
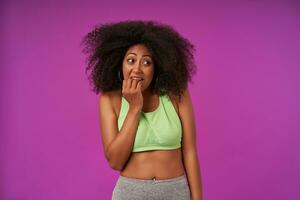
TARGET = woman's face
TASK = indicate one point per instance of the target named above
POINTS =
(138, 63)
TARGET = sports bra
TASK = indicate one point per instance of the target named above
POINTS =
(157, 130)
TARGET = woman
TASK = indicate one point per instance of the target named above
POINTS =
(146, 115)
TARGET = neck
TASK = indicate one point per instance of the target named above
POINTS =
(147, 93)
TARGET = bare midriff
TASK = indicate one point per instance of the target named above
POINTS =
(155, 164)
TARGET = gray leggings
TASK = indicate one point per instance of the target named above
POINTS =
(128, 188)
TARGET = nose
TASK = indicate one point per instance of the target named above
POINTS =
(137, 67)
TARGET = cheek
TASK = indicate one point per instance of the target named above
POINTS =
(150, 71)
(125, 71)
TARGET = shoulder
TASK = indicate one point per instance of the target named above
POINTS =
(105, 100)
(110, 99)
(185, 103)
(105, 97)
(110, 95)
(184, 97)
(175, 100)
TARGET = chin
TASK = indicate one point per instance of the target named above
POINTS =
(143, 88)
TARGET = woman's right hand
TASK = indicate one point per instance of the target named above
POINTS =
(132, 92)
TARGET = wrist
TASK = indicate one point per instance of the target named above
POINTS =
(135, 109)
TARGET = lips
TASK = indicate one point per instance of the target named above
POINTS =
(137, 77)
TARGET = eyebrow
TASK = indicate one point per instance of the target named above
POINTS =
(142, 56)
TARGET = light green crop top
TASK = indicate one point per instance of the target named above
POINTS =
(157, 130)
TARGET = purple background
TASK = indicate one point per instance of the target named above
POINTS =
(245, 95)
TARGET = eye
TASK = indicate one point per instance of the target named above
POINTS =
(129, 60)
(146, 61)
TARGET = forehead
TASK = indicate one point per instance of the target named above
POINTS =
(138, 49)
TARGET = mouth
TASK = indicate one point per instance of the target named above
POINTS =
(137, 78)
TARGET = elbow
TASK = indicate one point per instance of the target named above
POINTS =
(115, 166)
(114, 162)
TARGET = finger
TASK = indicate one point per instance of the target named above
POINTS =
(139, 85)
(123, 84)
(134, 83)
(130, 83)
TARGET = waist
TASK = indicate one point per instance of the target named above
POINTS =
(177, 178)
(159, 164)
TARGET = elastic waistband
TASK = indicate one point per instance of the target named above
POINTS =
(137, 180)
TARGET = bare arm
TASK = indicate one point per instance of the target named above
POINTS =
(190, 156)
(117, 145)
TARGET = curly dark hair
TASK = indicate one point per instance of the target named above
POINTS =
(106, 46)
